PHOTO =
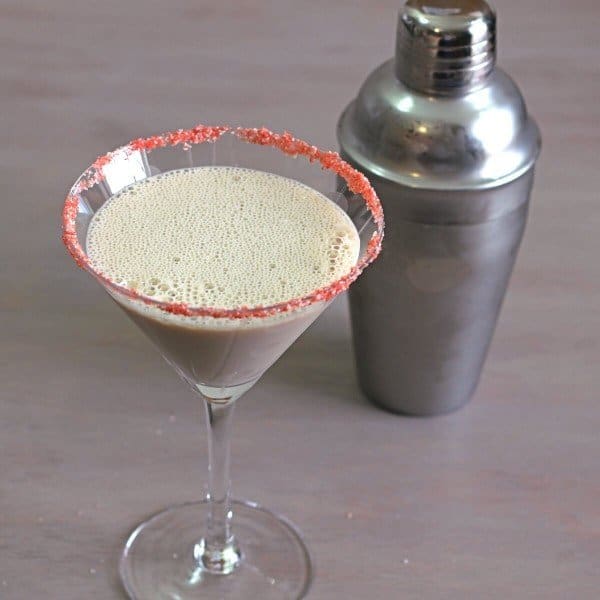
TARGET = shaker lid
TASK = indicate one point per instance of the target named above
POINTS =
(439, 115)
(445, 45)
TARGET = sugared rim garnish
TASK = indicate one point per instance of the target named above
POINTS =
(284, 142)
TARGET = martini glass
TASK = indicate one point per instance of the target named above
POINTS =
(220, 548)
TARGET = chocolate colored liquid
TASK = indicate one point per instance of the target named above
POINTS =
(223, 237)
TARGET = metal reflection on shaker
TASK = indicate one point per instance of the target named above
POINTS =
(445, 138)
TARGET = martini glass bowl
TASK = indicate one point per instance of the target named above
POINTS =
(218, 547)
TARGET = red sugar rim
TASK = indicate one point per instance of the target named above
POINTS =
(286, 143)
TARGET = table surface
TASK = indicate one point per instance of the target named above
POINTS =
(500, 500)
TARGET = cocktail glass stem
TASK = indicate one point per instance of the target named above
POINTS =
(218, 552)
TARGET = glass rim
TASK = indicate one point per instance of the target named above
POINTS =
(284, 142)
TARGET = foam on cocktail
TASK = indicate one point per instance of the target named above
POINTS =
(223, 237)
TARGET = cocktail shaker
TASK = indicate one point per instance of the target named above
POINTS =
(445, 139)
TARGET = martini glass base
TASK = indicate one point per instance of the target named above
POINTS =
(158, 560)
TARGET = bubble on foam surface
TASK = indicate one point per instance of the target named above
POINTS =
(224, 237)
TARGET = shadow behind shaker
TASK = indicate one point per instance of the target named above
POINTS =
(445, 139)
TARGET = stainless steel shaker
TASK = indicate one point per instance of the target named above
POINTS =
(445, 139)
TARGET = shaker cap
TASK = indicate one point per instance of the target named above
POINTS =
(439, 115)
(445, 46)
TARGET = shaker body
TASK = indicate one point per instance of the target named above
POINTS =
(424, 313)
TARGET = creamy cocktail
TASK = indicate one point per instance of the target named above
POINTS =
(222, 267)
(223, 237)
